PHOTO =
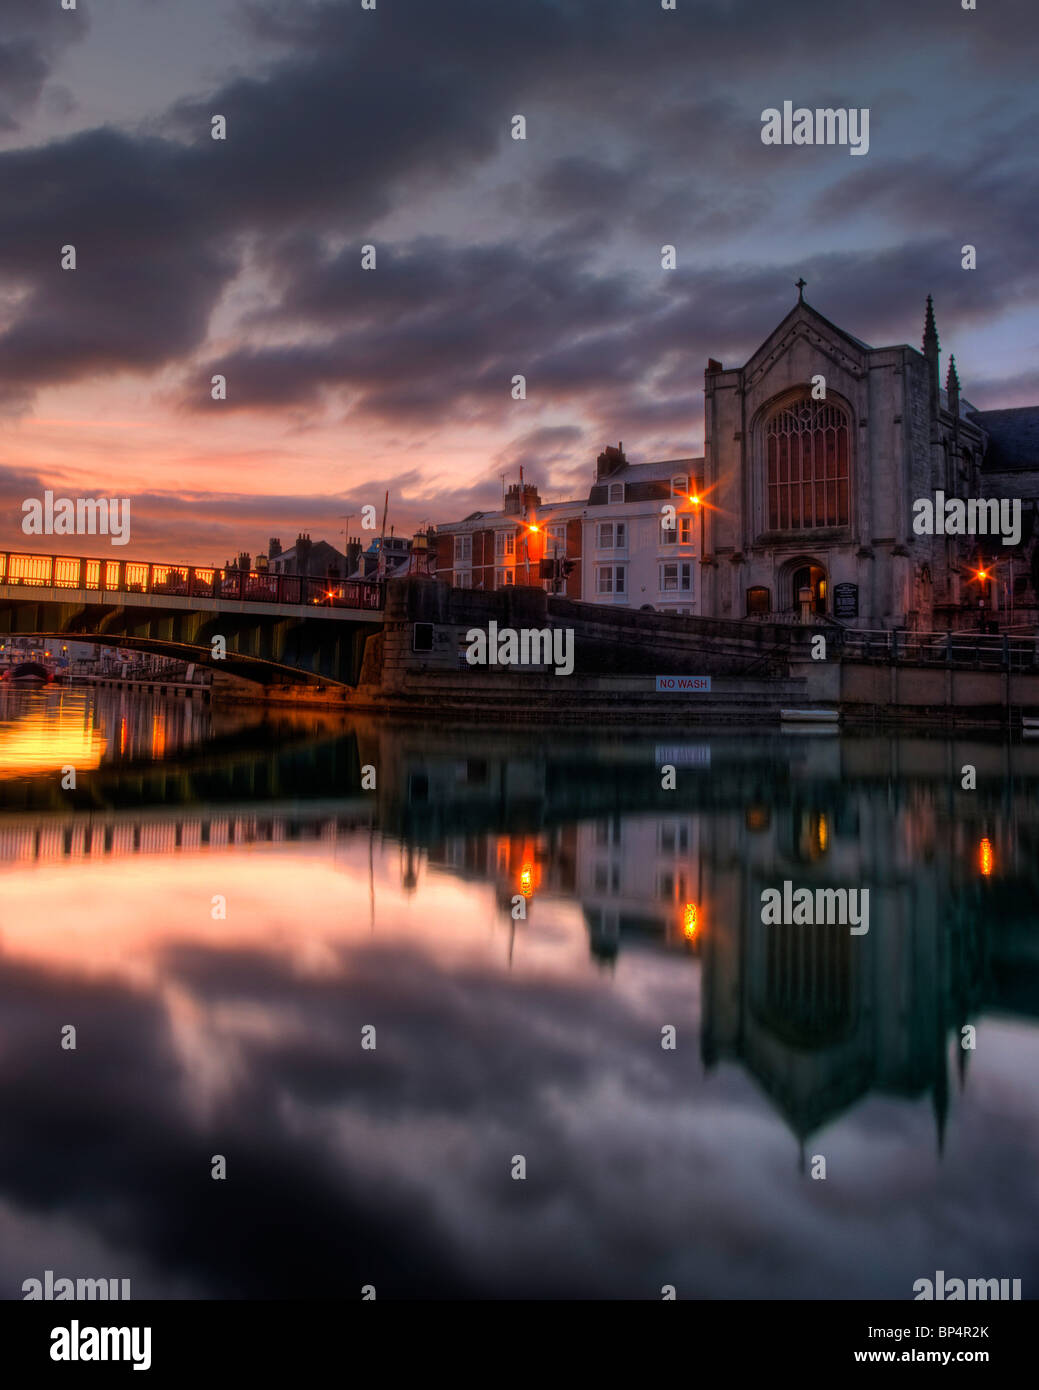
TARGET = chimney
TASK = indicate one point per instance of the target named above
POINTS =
(273, 547)
(520, 498)
(609, 461)
(303, 549)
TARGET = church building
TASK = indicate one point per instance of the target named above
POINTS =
(816, 453)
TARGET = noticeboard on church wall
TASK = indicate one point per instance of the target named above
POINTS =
(845, 600)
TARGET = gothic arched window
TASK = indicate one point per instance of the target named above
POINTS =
(807, 466)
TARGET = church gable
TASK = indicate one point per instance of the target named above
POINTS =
(805, 336)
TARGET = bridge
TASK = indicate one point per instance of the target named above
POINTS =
(277, 628)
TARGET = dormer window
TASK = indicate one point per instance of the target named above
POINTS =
(616, 493)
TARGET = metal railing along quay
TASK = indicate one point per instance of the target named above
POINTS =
(185, 581)
(1005, 651)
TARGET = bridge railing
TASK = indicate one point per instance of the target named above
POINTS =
(185, 581)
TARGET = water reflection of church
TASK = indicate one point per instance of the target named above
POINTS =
(818, 1017)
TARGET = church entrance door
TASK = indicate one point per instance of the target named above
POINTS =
(809, 586)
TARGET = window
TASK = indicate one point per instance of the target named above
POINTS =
(609, 579)
(806, 458)
(463, 579)
(503, 577)
(671, 887)
(607, 878)
(504, 544)
(612, 535)
(679, 486)
(676, 577)
(683, 533)
(759, 601)
(616, 492)
(422, 637)
(608, 832)
(463, 548)
(558, 535)
(672, 838)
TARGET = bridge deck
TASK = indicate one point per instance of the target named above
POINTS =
(77, 579)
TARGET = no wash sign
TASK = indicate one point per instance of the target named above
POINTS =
(682, 683)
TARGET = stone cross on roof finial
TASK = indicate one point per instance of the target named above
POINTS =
(800, 287)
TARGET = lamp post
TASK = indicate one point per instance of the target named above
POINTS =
(698, 507)
(532, 529)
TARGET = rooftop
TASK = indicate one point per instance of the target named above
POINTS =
(1013, 442)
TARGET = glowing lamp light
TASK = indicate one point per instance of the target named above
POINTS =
(986, 858)
(533, 527)
(982, 574)
(690, 925)
(527, 880)
(695, 500)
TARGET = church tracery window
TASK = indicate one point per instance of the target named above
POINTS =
(807, 448)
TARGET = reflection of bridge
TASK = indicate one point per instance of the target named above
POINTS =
(276, 627)
(116, 834)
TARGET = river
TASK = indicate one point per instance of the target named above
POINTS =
(596, 1072)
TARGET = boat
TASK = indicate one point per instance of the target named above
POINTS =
(809, 716)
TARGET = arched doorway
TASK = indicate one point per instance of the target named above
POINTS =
(808, 575)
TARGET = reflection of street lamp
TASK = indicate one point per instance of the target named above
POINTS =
(689, 922)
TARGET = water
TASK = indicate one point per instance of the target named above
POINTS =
(199, 1034)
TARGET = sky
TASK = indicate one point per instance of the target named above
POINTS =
(494, 256)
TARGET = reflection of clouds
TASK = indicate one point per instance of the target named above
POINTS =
(32, 1242)
(242, 1037)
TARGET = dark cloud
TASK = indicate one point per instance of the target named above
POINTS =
(32, 37)
(351, 120)
(149, 266)
(541, 449)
